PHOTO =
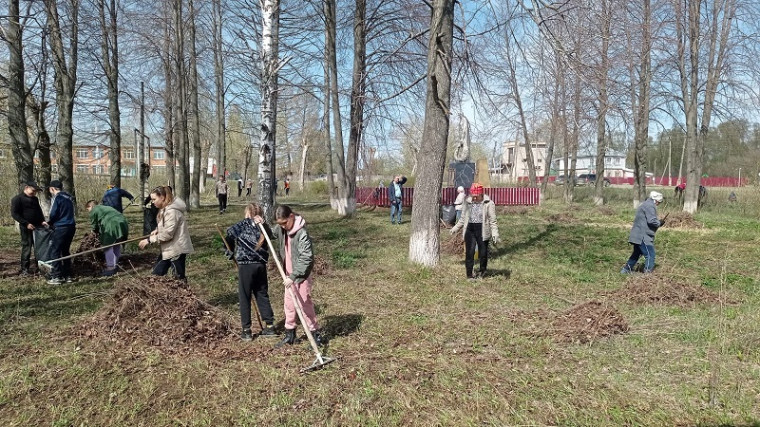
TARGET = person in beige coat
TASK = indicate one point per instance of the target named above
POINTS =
(479, 227)
(172, 233)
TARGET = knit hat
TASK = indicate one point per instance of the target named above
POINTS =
(460, 189)
(476, 189)
(56, 184)
(657, 197)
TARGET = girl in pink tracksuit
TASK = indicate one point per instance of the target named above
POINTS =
(295, 249)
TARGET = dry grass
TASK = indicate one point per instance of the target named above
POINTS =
(553, 336)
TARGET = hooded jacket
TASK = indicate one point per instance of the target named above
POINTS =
(109, 223)
(112, 198)
(645, 224)
(172, 231)
(301, 252)
(490, 228)
(62, 211)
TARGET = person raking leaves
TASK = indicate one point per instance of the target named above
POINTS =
(645, 225)
(111, 227)
(247, 246)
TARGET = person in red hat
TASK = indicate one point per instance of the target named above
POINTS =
(478, 223)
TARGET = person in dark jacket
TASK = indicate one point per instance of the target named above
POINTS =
(645, 225)
(396, 197)
(64, 226)
(26, 210)
(113, 195)
(251, 253)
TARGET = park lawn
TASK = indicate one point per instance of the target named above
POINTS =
(420, 346)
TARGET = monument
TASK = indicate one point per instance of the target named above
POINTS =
(463, 169)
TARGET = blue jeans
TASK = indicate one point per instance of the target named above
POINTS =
(638, 251)
(396, 211)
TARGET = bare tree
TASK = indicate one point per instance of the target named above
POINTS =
(424, 241)
(109, 48)
(640, 103)
(22, 149)
(219, 88)
(270, 67)
(195, 121)
(602, 74)
(64, 44)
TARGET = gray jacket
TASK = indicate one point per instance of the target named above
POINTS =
(645, 224)
(301, 252)
(490, 227)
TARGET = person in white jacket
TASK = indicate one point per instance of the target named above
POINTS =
(172, 233)
(459, 201)
(478, 224)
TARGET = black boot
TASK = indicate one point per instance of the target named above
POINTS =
(319, 338)
(289, 338)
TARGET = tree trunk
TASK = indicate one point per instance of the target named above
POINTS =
(270, 21)
(559, 90)
(641, 120)
(337, 186)
(169, 109)
(181, 139)
(23, 156)
(109, 48)
(65, 60)
(221, 155)
(574, 138)
(195, 122)
(601, 119)
(358, 84)
(424, 241)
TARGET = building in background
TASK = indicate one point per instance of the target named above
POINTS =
(514, 160)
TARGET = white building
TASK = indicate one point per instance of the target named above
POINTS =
(515, 160)
(614, 166)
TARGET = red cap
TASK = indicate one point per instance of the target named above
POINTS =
(476, 189)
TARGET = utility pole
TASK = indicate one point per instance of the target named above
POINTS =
(141, 163)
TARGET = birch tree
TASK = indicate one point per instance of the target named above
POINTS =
(424, 241)
(195, 121)
(219, 89)
(270, 66)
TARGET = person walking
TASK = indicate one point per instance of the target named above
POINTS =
(479, 226)
(113, 195)
(111, 227)
(171, 234)
(287, 187)
(63, 223)
(295, 249)
(249, 249)
(459, 201)
(645, 225)
(248, 186)
(26, 210)
(221, 193)
(240, 186)
(396, 197)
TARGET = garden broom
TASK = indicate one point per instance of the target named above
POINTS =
(321, 360)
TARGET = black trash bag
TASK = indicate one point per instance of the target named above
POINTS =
(42, 243)
(448, 214)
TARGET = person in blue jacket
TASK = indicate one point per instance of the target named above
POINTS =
(64, 226)
(645, 224)
(396, 197)
(113, 195)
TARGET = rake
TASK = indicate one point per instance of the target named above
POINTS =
(320, 360)
(46, 266)
(227, 245)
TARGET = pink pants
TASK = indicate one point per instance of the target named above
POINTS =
(303, 292)
(112, 256)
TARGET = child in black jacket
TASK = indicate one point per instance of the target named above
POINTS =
(251, 253)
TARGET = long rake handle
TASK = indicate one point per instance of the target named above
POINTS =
(294, 295)
(99, 248)
(227, 245)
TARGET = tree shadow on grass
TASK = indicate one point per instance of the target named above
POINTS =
(502, 273)
(341, 325)
(517, 246)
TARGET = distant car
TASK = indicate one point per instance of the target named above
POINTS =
(590, 179)
(561, 180)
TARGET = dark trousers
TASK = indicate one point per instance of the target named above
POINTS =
(252, 282)
(473, 237)
(27, 242)
(222, 202)
(60, 244)
(240, 191)
(178, 265)
(247, 191)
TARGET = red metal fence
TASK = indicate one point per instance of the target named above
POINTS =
(501, 196)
